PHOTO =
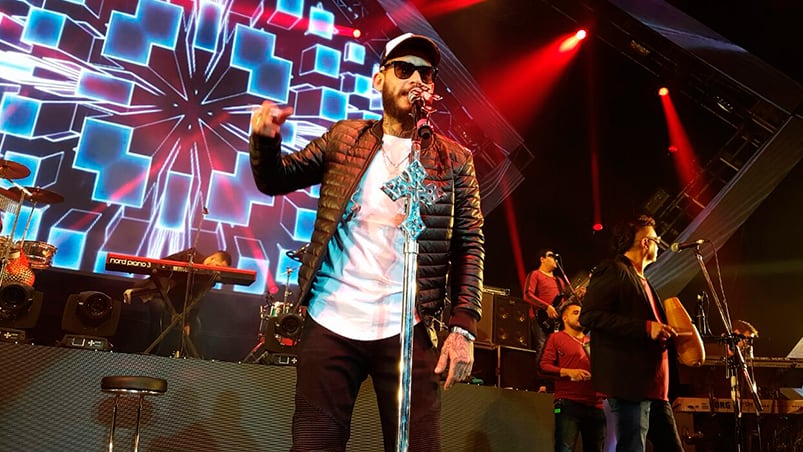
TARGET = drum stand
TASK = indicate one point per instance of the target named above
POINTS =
(7, 246)
(268, 343)
(736, 366)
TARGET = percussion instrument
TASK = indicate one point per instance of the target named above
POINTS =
(39, 254)
(38, 195)
(13, 170)
(17, 268)
(688, 342)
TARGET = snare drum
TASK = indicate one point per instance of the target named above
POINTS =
(39, 254)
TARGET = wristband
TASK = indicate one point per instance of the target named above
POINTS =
(463, 332)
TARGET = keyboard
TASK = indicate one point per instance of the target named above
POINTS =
(722, 405)
(163, 267)
(766, 362)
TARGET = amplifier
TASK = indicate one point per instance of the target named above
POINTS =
(505, 367)
(511, 322)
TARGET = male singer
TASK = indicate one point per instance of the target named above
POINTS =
(351, 277)
(631, 353)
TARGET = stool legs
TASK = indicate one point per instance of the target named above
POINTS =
(114, 422)
(136, 431)
(121, 385)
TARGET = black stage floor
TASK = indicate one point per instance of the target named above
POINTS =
(50, 400)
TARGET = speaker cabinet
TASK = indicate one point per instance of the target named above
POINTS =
(485, 327)
(518, 368)
(511, 322)
(486, 365)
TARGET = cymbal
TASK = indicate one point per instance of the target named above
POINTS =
(38, 195)
(13, 170)
(9, 194)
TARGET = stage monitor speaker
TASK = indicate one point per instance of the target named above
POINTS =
(518, 368)
(486, 365)
(485, 327)
(511, 322)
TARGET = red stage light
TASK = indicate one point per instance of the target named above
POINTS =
(597, 227)
(663, 91)
(672, 149)
(571, 42)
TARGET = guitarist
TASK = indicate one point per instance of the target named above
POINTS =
(542, 290)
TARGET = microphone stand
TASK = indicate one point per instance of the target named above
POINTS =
(702, 321)
(183, 339)
(410, 185)
(556, 323)
(736, 365)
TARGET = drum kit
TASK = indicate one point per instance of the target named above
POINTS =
(280, 323)
(20, 257)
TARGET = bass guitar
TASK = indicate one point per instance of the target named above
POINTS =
(553, 325)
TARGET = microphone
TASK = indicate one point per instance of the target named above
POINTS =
(678, 247)
(421, 99)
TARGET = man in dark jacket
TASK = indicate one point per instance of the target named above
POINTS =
(352, 273)
(630, 348)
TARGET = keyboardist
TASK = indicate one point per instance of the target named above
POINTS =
(146, 291)
(716, 348)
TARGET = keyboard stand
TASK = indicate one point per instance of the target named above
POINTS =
(177, 318)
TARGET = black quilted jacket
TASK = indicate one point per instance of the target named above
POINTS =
(453, 239)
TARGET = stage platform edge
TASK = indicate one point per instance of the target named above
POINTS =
(50, 399)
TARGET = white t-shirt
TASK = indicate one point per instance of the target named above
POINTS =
(357, 293)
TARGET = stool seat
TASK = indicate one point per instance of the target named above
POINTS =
(121, 385)
(133, 384)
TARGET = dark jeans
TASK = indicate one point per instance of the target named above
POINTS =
(538, 339)
(537, 336)
(638, 421)
(330, 371)
(573, 418)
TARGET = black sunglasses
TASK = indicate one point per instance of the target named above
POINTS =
(405, 70)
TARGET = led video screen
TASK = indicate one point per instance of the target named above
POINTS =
(136, 112)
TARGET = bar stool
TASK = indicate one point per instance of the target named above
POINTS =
(131, 385)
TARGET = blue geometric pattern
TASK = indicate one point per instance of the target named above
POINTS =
(288, 14)
(121, 175)
(131, 38)
(269, 76)
(105, 88)
(208, 26)
(137, 112)
(174, 212)
(18, 115)
(324, 60)
(355, 53)
(44, 28)
(321, 23)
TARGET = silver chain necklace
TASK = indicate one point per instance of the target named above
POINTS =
(393, 167)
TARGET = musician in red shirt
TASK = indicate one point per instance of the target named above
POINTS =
(578, 407)
(541, 289)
